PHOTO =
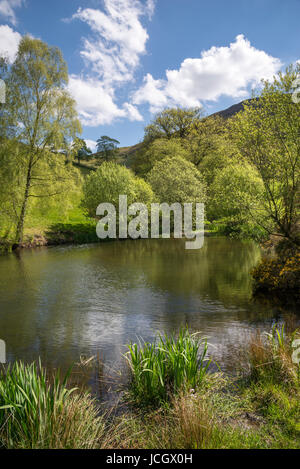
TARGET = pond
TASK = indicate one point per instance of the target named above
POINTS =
(65, 302)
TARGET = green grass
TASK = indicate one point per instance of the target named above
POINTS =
(28, 402)
(56, 228)
(160, 369)
(38, 412)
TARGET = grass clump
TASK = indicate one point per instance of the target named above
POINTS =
(271, 357)
(36, 412)
(163, 368)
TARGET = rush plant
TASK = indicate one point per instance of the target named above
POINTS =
(161, 369)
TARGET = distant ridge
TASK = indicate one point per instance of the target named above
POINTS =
(232, 110)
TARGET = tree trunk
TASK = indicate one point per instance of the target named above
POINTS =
(20, 226)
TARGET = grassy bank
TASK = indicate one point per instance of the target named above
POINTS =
(55, 228)
(259, 408)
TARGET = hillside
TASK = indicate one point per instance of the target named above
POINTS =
(126, 152)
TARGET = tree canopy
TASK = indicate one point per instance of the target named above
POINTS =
(109, 182)
(107, 148)
(173, 122)
(267, 136)
(39, 116)
(176, 180)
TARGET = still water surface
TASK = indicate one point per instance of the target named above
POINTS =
(63, 302)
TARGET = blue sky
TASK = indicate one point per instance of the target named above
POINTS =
(128, 59)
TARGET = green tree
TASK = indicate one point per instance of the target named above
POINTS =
(109, 182)
(173, 122)
(144, 159)
(107, 148)
(80, 149)
(236, 197)
(38, 117)
(205, 137)
(177, 180)
(268, 136)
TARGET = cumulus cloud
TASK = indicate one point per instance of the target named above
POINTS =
(9, 42)
(7, 9)
(91, 144)
(112, 54)
(220, 71)
(119, 38)
(95, 102)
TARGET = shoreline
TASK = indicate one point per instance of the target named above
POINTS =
(66, 237)
(219, 412)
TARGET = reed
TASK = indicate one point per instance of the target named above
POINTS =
(38, 412)
(160, 369)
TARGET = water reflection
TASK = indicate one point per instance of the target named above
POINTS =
(60, 303)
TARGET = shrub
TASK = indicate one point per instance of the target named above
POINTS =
(109, 182)
(278, 274)
(177, 180)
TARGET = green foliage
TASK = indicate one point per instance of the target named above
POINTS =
(37, 412)
(177, 180)
(172, 122)
(236, 191)
(38, 118)
(55, 189)
(109, 182)
(72, 233)
(28, 402)
(80, 150)
(258, 409)
(236, 197)
(205, 137)
(107, 148)
(278, 275)
(270, 358)
(160, 148)
(223, 154)
(160, 369)
(267, 134)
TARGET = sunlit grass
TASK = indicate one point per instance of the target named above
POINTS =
(38, 412)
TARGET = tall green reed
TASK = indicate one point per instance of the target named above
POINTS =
(160, 369)
(29, 403)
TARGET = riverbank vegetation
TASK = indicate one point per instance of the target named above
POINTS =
(257, 408)
(245, 168)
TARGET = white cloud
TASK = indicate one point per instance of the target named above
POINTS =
(152, 92)
(150, 7)
(227, 71)
(95, 102)
(9, 42)
(91, 144)
(119, 38)
(132, 112)
(112, 55)
(7, 9)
